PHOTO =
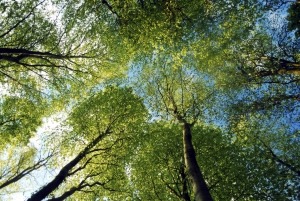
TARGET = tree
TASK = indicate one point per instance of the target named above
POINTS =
(177, 87)
(112, 114)
(178, 92)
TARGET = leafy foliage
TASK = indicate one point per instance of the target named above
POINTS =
(20, 117)
(226, 70)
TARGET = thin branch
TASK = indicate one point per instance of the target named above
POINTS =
(277, 159)
(171, 188)
(25, 172)
(156, 193)
(110, 8)
(23, 53)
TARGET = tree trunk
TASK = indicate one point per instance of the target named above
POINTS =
(185, 194)
(64, 172)
(199, 186)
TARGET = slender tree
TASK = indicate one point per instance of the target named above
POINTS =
(109, 112)
(178, 93)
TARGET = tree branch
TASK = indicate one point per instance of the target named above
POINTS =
(25, 172)
(280, 161)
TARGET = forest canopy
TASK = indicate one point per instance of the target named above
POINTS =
(149, 100)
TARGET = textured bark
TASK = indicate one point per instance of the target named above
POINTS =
(17, 54)
(64, 172)
(199, 186)
(185, 194)
(65, 195)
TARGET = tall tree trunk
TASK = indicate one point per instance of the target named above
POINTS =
(64, 172)
(199, 186)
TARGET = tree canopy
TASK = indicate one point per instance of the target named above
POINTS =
(149, 100)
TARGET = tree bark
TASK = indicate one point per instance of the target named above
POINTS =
(185, 194)
(10, 54)
(64, 172)
(199, 186)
